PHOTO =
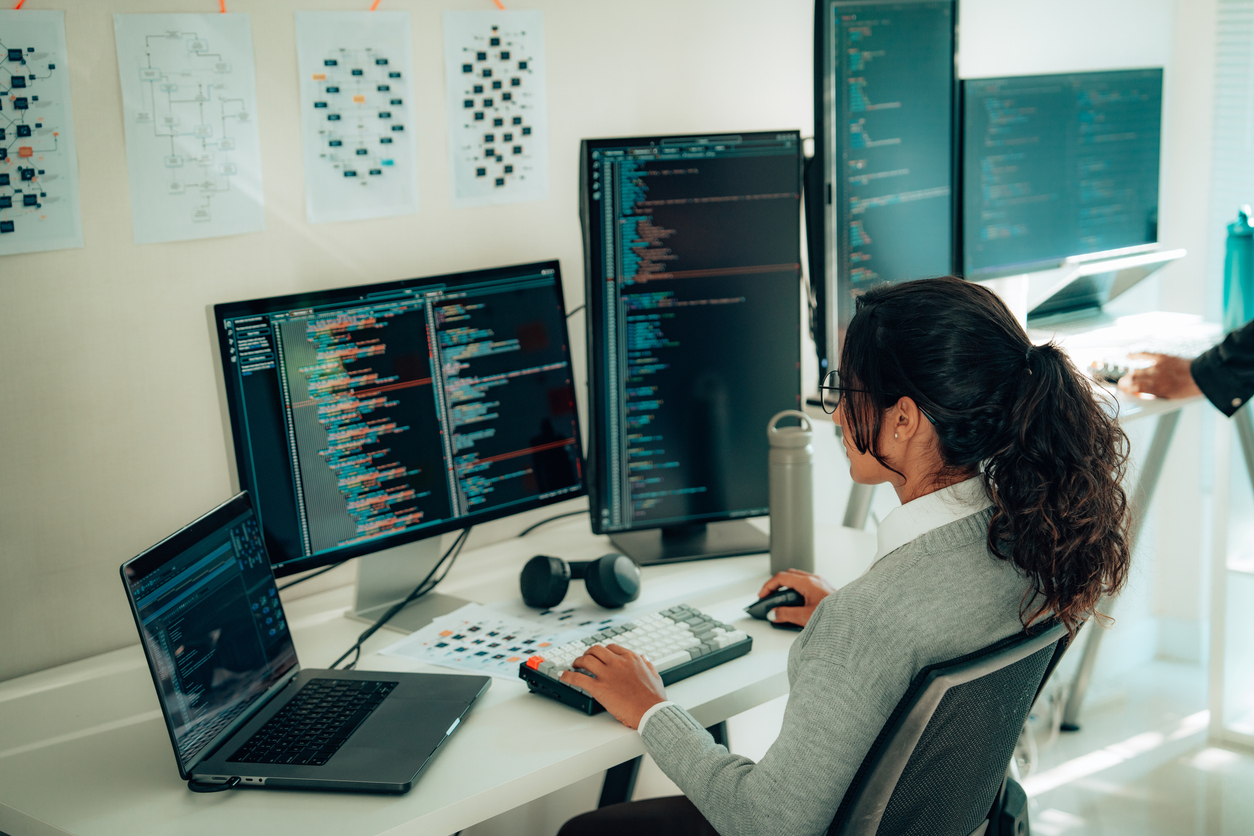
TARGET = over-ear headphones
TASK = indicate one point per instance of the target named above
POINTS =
(612, 580)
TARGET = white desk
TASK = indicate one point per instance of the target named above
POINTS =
(83, 748)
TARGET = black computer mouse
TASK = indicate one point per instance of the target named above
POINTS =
(782, 597)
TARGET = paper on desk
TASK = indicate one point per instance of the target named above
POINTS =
(584, 618)
(483, 640)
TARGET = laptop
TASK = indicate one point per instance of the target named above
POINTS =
(240, 709)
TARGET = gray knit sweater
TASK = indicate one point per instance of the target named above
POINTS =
(939, 596)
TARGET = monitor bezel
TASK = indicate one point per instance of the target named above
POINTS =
(594, 348)
(230, 310)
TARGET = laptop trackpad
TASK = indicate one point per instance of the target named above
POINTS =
(406, 724)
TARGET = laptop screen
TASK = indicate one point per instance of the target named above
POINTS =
(211, 623)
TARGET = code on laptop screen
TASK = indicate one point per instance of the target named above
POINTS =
(212, 624)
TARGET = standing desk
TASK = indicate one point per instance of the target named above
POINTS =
(83, 748)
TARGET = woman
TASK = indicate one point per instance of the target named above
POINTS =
(1008, 473)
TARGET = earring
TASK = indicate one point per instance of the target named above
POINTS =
(894, 435)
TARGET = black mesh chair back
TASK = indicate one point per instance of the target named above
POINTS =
(942, 757)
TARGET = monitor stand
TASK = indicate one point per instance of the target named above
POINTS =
(386, 578)
(696, 541)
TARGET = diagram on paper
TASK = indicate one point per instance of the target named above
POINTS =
(483, 640)
(357, 116)
(498, 125)
(39, 207)
(189, 103)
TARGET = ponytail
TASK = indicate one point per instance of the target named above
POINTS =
(1052, 457)
(1060, 513)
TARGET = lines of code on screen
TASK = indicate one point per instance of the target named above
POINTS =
(1057, 166)
(695, 299)
(404, 408)
(892, 128)
(215, 630)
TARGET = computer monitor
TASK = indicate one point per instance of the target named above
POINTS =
(692, 268)
(881, 203)
(367, 417)
(1057, 166)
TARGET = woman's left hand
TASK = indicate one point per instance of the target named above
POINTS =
(626, 683)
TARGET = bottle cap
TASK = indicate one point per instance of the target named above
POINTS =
(789, 436)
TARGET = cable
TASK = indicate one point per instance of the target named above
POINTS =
(421, 589)
(574, 311)
(196, 786)
(311, 575)
(534, 526)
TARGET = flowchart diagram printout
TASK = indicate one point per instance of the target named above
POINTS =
(189, 102)
(39, 207)
(497, 117)
(357, 115)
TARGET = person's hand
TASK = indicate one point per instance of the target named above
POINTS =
(812, 588)
(626, 683)
(1169, 377)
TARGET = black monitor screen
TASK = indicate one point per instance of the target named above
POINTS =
(888, 126)
(693, 288)
(1058, 166)
(367, 417)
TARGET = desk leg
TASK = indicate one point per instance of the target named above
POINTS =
(1245, 432)
(1142, 495)
(858, 508)
(620, 781)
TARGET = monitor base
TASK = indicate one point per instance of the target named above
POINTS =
(701, 541)
(387, 577)
(415, 616)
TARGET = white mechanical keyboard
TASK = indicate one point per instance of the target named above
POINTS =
(680, 641)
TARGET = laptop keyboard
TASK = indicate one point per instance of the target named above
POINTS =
(314, 723)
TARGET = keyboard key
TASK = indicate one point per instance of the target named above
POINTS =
(314, 723)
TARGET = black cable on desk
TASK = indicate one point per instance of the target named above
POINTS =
(574, 311)
(533, 527)
(196, 786)
(424, 586)
(311, 575)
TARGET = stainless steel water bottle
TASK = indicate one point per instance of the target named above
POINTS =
(792, 493)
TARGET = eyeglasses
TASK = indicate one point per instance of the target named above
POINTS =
(830, 389)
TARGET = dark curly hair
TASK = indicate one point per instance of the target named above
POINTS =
(1051, 454)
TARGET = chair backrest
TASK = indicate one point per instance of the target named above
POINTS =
(940, 760)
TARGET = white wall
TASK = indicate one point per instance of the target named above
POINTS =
(110, 428)
(1028, 37)
(111, 432)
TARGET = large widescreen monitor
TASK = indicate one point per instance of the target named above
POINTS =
(1057, 166)
(881, 202)
(368, 417)
(692, 260)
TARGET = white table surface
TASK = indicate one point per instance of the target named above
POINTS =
(83, 748)
(1103, 339)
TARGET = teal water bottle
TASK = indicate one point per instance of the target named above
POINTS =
(1239, 272)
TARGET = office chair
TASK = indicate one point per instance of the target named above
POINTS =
(940, 765)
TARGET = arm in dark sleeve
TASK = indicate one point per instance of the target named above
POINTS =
(1225, 374)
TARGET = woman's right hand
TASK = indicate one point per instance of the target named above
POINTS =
(812, 588)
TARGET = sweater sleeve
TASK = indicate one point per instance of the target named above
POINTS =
(1225, 374)
(829, 725)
